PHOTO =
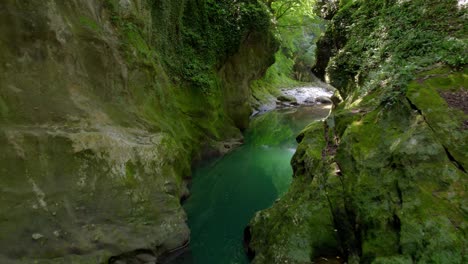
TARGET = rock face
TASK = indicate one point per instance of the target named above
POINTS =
(98, 128)
(249, 63)
(384, 178)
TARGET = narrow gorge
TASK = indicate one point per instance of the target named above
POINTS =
(157, 131)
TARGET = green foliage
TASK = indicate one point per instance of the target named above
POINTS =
(209, 32)
(384, 43)
(193, 38)
(298, 29)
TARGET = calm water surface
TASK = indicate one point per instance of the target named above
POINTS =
(228, 191)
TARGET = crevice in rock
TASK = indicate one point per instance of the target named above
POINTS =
(453, 160)
(414, 107)
(400, 194)
(355, 243)
(449, 155)
(341, 233)
(331, 143)
(396, 223)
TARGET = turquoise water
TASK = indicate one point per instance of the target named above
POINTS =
(228, 191)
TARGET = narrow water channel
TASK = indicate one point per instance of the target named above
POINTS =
(228, 191)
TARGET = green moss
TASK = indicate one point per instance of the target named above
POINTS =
(381, 144)
(130, 175)
(90, 24)
(446, 122)
(444, 78)
(344, 118)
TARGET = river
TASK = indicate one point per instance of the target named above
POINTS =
(227, 192)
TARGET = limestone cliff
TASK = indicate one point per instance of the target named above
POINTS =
(103, 106)
(383, 179)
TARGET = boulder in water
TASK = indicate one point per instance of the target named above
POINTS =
(323, 100)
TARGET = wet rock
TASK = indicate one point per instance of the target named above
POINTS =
(309, 100)
(323, 100)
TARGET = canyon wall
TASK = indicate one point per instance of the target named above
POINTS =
(103, 107)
